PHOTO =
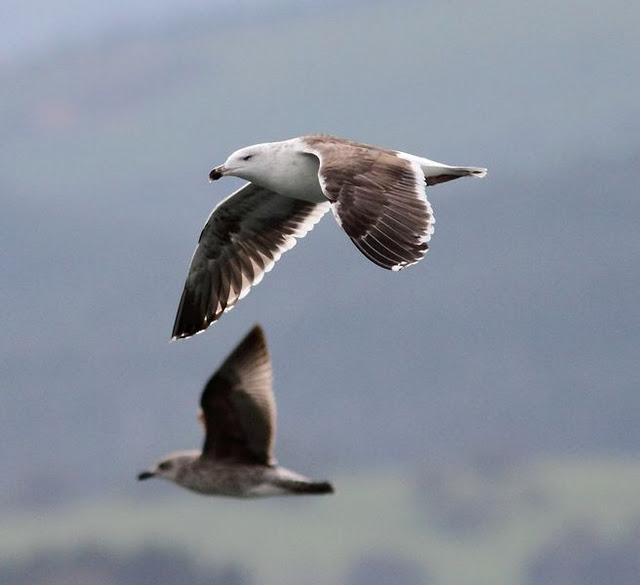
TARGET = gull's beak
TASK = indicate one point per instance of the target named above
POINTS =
(145, 475)
(217, 172)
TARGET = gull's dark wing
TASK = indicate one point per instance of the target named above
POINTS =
(238, 406)
(378, 197)
(243, 238)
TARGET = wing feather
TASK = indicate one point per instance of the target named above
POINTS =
(243, 238)
(378, 197)
(238, 406)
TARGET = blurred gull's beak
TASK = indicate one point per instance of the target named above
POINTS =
(145, 475)
(217, 172)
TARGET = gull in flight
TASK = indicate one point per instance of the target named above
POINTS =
(377, 195)
(238, 411)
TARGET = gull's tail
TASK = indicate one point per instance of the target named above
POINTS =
(308, 487)
(478, 172)
(441, 174)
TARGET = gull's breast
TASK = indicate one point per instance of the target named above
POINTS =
(295, 175)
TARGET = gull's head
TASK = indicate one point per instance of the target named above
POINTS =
(247, 163)
(172, 467)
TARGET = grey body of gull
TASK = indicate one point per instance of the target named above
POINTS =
(239, 414)
(377, 195)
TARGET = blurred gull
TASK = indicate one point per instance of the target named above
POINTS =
(376, 195)
(239, 416)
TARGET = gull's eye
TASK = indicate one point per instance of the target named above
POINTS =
(165, 465)
(248, 157)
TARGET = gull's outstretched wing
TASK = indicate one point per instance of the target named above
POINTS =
(242, 239)
(378, 197)
(238, 406)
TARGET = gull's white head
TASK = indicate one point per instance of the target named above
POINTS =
(247, 163)
(172, 467)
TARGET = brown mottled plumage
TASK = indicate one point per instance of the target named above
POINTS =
(239, 414)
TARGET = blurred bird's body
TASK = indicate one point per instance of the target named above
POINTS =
(216, 478)
(238, 412)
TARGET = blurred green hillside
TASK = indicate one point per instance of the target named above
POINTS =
(458, 524)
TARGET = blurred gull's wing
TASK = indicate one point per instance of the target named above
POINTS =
(242, 239)
(238, 406)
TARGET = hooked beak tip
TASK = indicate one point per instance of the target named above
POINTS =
(216, 173)
(145, 475)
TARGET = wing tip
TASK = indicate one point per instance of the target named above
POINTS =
(180, 335)
(257, 329)
(255, 338)
(189, 320)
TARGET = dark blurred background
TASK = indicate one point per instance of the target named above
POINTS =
(477, 412)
